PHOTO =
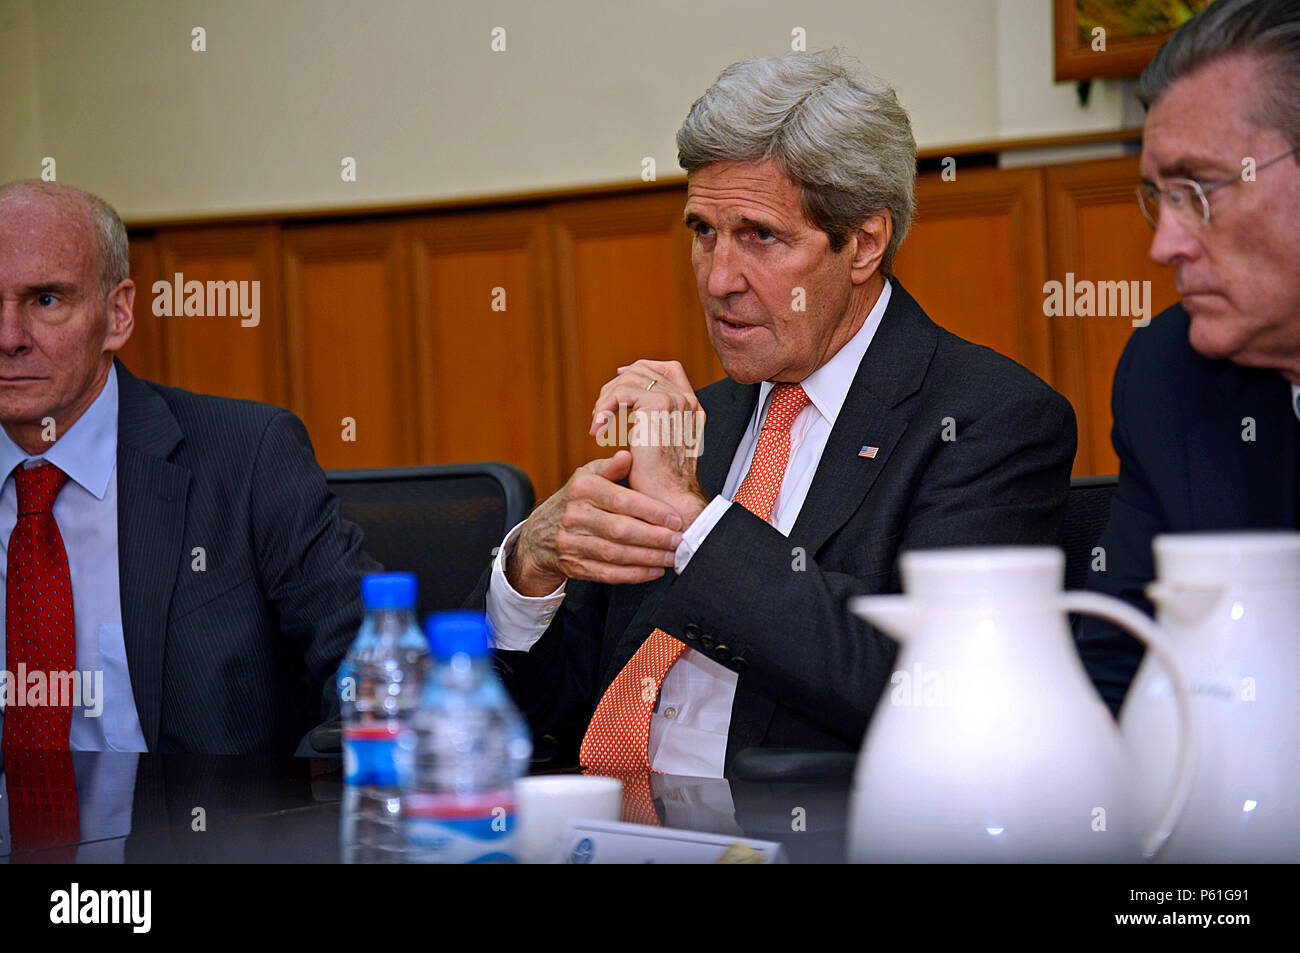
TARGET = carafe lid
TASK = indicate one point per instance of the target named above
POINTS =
(964, 575)
(1260, 558)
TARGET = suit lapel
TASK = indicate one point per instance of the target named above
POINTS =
(725, 421)
(891, 371)
(151, 497)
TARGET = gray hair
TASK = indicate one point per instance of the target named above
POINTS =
(111, 244)
(842, 138)
(114, 249)
(1269, 29)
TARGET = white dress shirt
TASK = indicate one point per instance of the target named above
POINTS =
(86, 513)
(688, 731)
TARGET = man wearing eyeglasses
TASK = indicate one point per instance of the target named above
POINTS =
(1207, 398)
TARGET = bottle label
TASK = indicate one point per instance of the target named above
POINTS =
(460, 829)
(369, 755)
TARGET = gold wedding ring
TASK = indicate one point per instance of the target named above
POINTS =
(652, 384)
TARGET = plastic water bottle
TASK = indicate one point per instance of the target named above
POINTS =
(466, 746)
(379, 689)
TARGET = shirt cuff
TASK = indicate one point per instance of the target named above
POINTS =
(695, 534)
(517, 621)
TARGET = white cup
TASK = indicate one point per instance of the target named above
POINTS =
(545, 803)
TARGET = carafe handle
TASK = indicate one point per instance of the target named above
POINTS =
(1150, 635)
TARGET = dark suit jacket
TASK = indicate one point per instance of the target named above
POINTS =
(238, 656)
(1184, 467)
(810, 673)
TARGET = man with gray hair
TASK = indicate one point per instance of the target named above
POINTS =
(1207, 397)
(664, 611)
(181, 551)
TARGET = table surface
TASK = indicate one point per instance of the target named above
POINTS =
(145, 808)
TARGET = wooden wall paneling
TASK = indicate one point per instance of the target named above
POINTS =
(487, 355)
(350, 330)
(1098, 234)
(975, 260)
(144, 354)
(383, 318)
(626, 291)
(216, 354)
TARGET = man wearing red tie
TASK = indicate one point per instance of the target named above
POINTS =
(664, 611)
(116, 636)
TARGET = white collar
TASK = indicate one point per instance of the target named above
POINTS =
(828, 386)
(87, 452)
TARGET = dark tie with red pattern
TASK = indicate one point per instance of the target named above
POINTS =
(40, 641)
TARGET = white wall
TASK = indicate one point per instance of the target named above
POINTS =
(1029, 102)
(19, 109)
(412, 90)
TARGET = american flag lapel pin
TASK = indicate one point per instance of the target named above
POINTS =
(869, 452)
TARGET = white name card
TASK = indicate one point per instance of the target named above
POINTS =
(613, 842)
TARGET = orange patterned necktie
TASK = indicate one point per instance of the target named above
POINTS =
(619, 734)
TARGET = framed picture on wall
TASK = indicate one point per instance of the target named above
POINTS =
(1097, 38)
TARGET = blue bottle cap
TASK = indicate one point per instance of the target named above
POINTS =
(388, 590)
(456, 633)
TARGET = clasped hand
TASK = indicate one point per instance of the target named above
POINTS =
(593, 528)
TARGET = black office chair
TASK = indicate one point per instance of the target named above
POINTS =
(439, 522)
(1087, 509)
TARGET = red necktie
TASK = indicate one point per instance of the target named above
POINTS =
(44, 819)
(619, 732)
(40, 635)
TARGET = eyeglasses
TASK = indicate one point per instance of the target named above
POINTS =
(1187, 198)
